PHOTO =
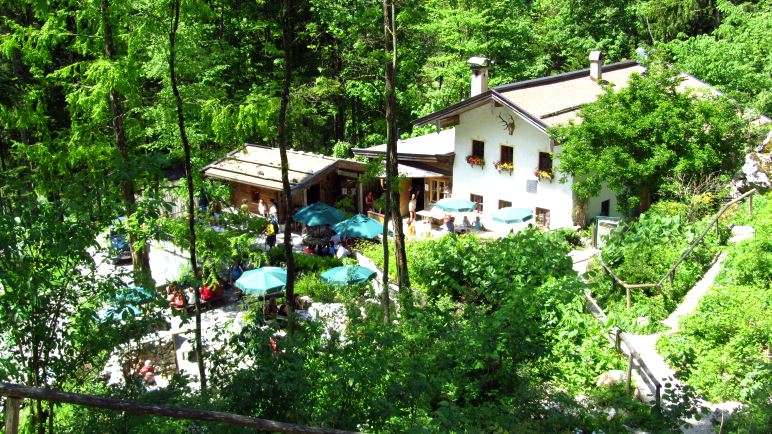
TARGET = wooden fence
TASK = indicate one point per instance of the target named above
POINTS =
(15, 393)
(615, 280)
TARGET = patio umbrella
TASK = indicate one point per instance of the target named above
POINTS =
(511, 215)
(359, 226)
(125, 304)
(347, 275)
(318, 214)
(452, 204)
(262, 281)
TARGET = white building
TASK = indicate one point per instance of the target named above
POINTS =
(508, 124)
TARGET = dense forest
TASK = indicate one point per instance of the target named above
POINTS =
(92, 124)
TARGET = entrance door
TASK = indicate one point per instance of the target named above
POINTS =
(313, 194)
(417, 187)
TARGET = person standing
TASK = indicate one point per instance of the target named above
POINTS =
(411, 205)
(270, 234)
(261, 208)
(273, 211)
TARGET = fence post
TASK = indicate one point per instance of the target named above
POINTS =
(627, 291)
(629, 370)
(618, 340)
(750, 206)
(672, 278)
(658, 396)
(12, 406)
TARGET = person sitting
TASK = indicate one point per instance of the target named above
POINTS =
(298, 302)
(147, 368)
(449, 226)
(270, 310)
(282, 310)
(478, 224)
(175, 296)
(211, 292)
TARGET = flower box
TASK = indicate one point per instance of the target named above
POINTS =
(504, 167)
(475, 161)
(543, 175)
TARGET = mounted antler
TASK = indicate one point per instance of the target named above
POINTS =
(508, 125)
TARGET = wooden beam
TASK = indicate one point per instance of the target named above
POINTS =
(38, 393)
(450, 121)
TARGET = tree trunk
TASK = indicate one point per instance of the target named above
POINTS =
(645, 196)
(189, 179)
(390, 39)
(140, 257)
(289, 288)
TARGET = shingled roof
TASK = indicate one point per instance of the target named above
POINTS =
(261, 166)
(555, 100)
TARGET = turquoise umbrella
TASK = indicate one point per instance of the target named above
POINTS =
(262, 281)
(359, 226)
(452, 204)
(347, 275)
(125, 304)
(318, 214)
(511, 215)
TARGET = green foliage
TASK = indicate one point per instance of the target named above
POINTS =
(303, 262)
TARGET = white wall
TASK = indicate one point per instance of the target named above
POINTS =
(484, 124)
(593, 208)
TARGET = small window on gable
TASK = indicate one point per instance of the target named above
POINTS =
(479, 200)
(507, 154)
(255, 196)
(542, 217)
(545, 162)
(504, 204)
(478, 149)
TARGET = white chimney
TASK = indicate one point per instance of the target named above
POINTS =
(479, 66)
(596, 65)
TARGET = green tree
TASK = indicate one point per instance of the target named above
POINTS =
(633, 138)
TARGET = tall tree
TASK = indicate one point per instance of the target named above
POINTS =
(140, 257)
(286, 42)
(390, 66)
(189, 180)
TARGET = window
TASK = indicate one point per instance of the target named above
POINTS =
(507, 154)
(605, 207)
(504, 204)
(437, 190)
(545, 162)
(542, 217)
(255, 196)
(478, 149)
(479, 200)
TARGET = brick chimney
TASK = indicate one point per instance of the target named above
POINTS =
(479, 66)
(596, 65)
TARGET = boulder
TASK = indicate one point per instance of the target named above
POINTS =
(610, 377)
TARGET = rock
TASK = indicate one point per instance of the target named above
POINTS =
(643, 321)
(610, 377)
(757, 170)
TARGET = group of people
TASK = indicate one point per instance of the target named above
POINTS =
(181, 299)
(147, 373)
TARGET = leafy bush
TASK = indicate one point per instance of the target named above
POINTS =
(303, 262)
(310, 285)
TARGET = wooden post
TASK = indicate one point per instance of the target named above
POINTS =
(629, 370)
(627, 290)
(750, 206)
(672, 278)
(12, 406)
(658, 396)
(618, 339)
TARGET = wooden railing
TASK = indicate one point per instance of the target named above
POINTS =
(16, 392)
(615, 280)
(617, 336)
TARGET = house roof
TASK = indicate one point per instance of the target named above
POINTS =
(429, 148)
(261, 166)
(556, 99)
